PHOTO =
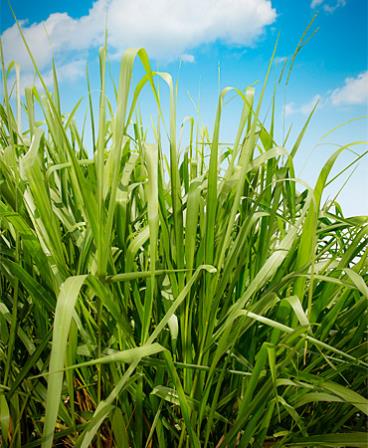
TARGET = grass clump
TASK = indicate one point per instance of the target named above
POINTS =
(195, 299)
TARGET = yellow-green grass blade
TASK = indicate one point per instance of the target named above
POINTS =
(151, 189)
(66, 301)
(352, 439)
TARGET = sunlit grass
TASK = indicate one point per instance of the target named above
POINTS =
(202, 297)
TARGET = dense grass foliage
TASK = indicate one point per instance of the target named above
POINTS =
(201, 296)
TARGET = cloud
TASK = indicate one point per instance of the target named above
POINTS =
(316, 3)
(168, 29)
(307, 108)
(290, 109)
(353, 92)
(304, 109)
(332, 8)
(69, 71)
(328, 7)
(186, 57)
(280, 59)
(59, 34)
(165, 28)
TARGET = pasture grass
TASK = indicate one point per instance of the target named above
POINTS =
(201, 296)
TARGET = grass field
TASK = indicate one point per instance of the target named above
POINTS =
(201, 296)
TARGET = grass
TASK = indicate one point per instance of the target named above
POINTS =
(199, 299)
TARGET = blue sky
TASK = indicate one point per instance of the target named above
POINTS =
(208, 44)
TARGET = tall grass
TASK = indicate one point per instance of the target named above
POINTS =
(190, 298)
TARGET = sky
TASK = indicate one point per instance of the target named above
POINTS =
(210, 44)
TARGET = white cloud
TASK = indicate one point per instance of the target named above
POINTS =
(165, 28)
(290, 109)
(332, 8)
(316, 3)
(58, 34)
(328, 7)
(67, 72)
(354, 91)
(280, 60)
(72, 70)
(186, 57)
(305, 109)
